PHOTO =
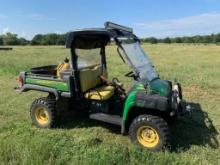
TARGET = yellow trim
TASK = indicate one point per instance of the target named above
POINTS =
(101, 93)
(147, 136)
(42, 115)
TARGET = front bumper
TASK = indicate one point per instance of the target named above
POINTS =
(178, 104)
(18, 89)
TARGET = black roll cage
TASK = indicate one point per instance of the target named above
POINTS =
(111, 31)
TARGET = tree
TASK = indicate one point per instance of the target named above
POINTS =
(197, 39)
(10, 39)
(37, 40)
(61, 40)
(50, 39)
(177, 40)
(153, 40)
(187, 40)
(207, 39)
(167, 40)
(23, 41)
(216, 38)
(1, 41)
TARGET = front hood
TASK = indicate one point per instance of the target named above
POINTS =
(161, 87)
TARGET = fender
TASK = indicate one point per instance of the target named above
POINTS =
(150, 101)
(57, 94)
(140, 98)
(27, 87)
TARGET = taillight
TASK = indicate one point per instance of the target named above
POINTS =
(20, 81)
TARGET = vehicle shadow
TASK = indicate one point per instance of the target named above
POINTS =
(77, 121)
(195, 130)
(71, 118)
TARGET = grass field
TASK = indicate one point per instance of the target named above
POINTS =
(195, 140)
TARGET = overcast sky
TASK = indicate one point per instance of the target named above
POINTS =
(159, 18)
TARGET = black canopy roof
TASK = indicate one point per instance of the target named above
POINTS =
(97, 37)
(88, 38)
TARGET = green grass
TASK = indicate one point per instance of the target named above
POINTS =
(82, 141)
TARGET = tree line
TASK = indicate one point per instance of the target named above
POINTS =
(39, 39)
(60, 39)
(205, 39)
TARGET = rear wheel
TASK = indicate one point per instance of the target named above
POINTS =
(150, 132)
(43, 113)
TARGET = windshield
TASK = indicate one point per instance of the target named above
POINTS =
(139, 60)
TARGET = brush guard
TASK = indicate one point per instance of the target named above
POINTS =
(178, 104)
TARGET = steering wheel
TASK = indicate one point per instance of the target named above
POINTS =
(130, 74)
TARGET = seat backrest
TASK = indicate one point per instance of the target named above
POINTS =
(89, 77)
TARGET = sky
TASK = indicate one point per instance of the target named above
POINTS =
(158, 18)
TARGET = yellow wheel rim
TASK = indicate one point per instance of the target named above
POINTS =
(147, 136)
(42, 115)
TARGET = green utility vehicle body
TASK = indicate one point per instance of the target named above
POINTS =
(57, 85)
(85, 83)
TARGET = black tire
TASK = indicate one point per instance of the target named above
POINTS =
(172, 119)
(43, 113)
(51, 96)
(157, 126)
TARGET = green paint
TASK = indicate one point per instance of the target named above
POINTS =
(59, 85)
(157, 86)
(160, 87)
(128, 104)
(139, 86)
(131, 99)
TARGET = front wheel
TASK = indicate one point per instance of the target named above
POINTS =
(149, 131)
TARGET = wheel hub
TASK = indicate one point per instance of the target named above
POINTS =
(42, 115)
(147, 136)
